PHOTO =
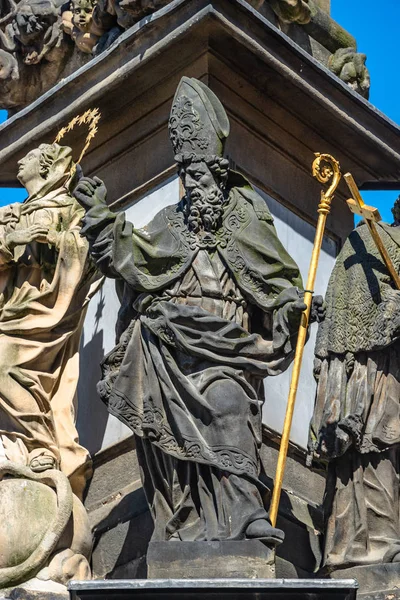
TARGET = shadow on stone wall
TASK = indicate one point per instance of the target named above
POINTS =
(92, 414)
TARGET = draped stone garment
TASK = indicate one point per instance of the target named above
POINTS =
(44, 291)
(357, 350)
(186, 375)
(356, 422)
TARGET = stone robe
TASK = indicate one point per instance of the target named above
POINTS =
(356, 423)
(201, 324)
(44, 292)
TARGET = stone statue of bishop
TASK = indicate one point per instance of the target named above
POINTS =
(211, 306)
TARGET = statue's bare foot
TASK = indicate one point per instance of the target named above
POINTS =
(43, 462)
(263, 531)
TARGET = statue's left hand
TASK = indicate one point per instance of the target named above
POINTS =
(90, 192)
(317, 313)
(318, 309)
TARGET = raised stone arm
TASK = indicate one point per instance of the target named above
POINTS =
(98, 223)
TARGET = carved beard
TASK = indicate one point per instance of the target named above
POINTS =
(204, 209)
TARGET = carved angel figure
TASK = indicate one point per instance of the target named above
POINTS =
(78, 23)
(349, 65)
(33, 31)
(33, 51)
(116, 15)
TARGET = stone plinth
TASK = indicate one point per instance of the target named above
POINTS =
(36, 589)
(215, 589)
(198, 560)
(377, 582)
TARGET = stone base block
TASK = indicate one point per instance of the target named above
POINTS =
(375, 581)
(198, 560)
(36, 589)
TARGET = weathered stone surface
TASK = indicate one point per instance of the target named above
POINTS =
(19, 566)
(115, 468)
(380, 582)
(58, 274)
(77, 21)
(45, 531)
(26, 509)
(123, 525)
(34, 52)
(393, 594)
(210, 560)
(121, 551)
(350, 66)
(34, 58)
(36, 590)
(356, 426)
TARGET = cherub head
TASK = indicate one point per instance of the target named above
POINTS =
(82, 12)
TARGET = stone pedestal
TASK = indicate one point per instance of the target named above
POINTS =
(198, 560)
(377, 582)
(214, 589)
(36, 589)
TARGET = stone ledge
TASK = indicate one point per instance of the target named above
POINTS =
(36, 589)
(224, 589)
(375, 581)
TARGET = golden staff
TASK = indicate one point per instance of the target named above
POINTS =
(371, 216)
(324, 168)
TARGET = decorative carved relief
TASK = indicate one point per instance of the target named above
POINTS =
(42, 41)
(349, 65)
(78, 23)
(292, 11)
(33, 51)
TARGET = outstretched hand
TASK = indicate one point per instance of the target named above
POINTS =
(90, 192)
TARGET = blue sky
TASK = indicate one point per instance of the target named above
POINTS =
(377, 33)
(376, 30)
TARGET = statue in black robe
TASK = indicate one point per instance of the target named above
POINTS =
(356, 424)
(211, 305)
